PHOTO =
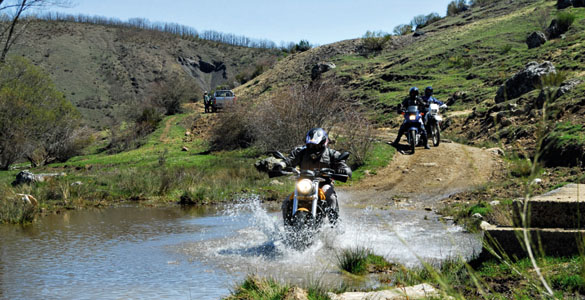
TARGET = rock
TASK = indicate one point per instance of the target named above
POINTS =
(184, 149)
(418, 33)
(296, 293)
(321, 68)
(536, 39)
(428, 208)
(496, 151)
(267, 164)
(536, 181)
(495, 203)
(524, 81)
(28, 199)
(276, 182)
(421, 291)
(485, 225)
(24, 177)
(565, 87)
(428, 164)
(439, 179)
(77, 183)
(459, 96)
(561, 4)
(188, 133)
(477, 216)
(556, 29)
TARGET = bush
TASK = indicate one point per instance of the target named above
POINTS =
(421, 21)
(565, 20)
(480, 3)
(169, 94)
(375, 41)
(36, 121)
(402, 29)
(13, 210)
(353, 260)
(456, 7)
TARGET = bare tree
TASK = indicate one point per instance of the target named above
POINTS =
(12, 11)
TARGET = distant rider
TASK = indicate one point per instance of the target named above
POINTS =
(316, 155)
(413, 99)
(207, 102)
(429, 99)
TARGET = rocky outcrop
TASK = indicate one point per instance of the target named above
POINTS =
(550, 94)
(556, 29)
(321, 68)
(421, 291)
(26, 177)
(524, 81)
(459, 96)
(536, 39)
(561, 4)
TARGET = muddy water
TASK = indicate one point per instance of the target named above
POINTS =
(171, 253)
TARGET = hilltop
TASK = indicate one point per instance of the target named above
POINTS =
(104, 69)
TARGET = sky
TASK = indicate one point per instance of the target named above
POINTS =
(318, 21)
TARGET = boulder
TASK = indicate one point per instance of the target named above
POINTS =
(26, 177)
(421, 291)
(555, 29)
(459, 96)
(28, 199)
(524, 81)
(536, 39)
(564, 3)
(321, 68)
(185, 149)
(267, 164)
(565, 87)
(418, 33)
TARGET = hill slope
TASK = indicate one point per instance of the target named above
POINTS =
(465, 58)
(101, 68)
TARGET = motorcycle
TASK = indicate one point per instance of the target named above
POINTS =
(309, 206)
(433, 124)
(412, 118)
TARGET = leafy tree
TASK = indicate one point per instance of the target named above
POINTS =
(302, 46)
(456, 6)
(36, 121)
(403, 29)
(375, 41)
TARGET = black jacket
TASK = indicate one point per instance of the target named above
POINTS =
(328, 159)
(419, 101)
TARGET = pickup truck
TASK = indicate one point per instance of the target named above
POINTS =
(222, 98)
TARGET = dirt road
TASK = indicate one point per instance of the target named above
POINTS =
(420, 180)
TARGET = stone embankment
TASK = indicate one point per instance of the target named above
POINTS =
(555, 223)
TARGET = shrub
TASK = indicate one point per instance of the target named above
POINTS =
(456, 7)
(353, 260)
(13, 210)
(375, 41)
(402, 29)
(170, 93)
(302, 46)
(36, 121)
(565, 20)
(421, 21)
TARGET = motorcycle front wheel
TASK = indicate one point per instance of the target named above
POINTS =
(412, 140)
(436, 134)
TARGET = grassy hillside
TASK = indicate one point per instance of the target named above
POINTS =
(103, 69)
(471, 54)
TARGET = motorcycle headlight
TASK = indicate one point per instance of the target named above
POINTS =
(305, 187)
(412, 117)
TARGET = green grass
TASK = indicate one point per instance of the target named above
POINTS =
(360, 261)
(380, 156)
(256, 288)
(157, 172)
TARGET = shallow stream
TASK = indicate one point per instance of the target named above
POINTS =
(174, 253)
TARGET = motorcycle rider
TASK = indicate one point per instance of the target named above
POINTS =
(316, 155)
(428, 98)
(412, 99)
